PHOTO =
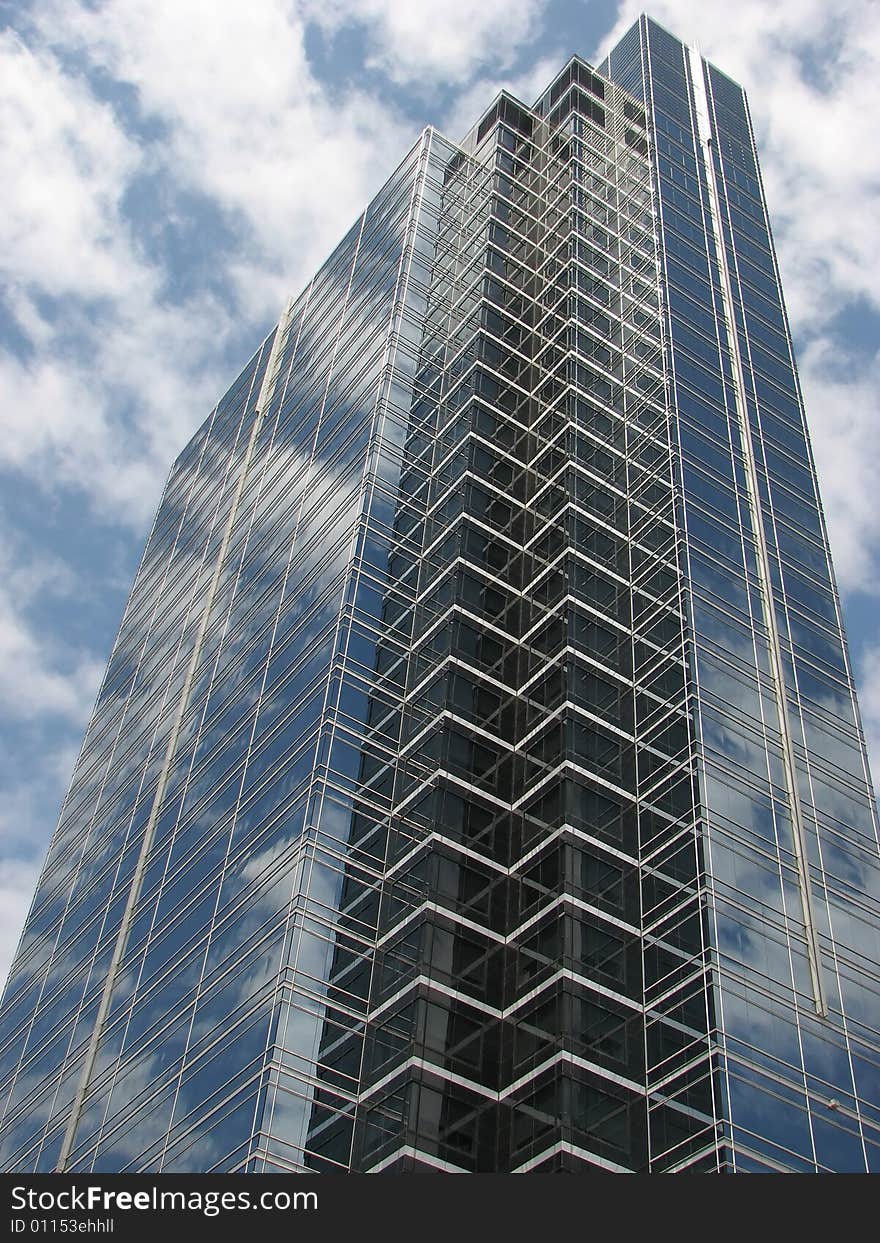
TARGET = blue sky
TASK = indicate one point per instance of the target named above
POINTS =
(174, 169)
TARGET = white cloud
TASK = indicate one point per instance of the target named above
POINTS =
(108, 416)
(869, 702)
(17, 882)
(65, 165)
(119, 375)
(108, 388)
(27, 810)
(245, 122)
(416, 44)
(40, 675)
(842, 398)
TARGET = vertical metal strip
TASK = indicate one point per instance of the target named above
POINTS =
(704, 128)
(263, 399)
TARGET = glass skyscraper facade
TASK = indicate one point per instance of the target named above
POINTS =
(477, 781)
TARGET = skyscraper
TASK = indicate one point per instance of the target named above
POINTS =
(477, 781)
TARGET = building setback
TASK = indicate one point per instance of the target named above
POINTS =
(477, 781)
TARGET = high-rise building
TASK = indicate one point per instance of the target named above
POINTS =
(477, 781)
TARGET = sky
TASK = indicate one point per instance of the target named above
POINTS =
(173, 170)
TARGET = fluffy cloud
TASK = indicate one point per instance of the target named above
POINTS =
(96, 394)
(842, 395)
(869, 703)
(17, 881)
(47, 684)
(40, 675)
(65, 165)
(448, 44)
(244, 122)
(112, 373)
